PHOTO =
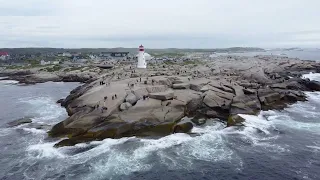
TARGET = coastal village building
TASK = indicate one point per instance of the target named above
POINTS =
(4, 56)
(66, 54)
(43, 62)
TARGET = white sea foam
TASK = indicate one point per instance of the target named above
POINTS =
(5, 131)
(312, 76)
(46, 108)
(3, 77)
(35, 131)
(8, 82)
(314, 147)
(45, 150)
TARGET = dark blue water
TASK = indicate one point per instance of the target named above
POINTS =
(274, 145)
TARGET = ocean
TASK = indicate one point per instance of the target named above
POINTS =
(273, 145)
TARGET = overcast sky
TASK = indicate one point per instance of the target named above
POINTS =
(159, 24)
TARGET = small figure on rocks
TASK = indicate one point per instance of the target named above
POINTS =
(144, 97)
(105, 98)
(112, 97)
(140, 79)
(168, 103)
(115, 96)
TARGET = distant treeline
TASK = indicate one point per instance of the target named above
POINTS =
(35, 51)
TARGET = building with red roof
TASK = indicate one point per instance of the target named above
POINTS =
(4, 55)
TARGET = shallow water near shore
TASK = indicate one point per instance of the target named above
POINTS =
(273, 145)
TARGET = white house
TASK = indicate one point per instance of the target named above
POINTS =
(55, 62)
(67, 54)
(43, 62)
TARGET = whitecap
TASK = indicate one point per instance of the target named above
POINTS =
(45, 150)
(9, 82)
(312, 76)
(35, 131)
(46, 109)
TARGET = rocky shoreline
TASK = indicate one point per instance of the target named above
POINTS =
(126, 102)
(34, 75)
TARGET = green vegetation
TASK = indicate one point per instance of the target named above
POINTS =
(169, 62)
(53, 68)
(193, 62)
(32, 61)
(14, 67)
(167, 54)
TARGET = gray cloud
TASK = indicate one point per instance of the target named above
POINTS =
(159, 24)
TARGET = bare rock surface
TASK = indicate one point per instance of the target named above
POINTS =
(153, 101)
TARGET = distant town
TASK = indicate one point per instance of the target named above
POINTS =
(37, 57)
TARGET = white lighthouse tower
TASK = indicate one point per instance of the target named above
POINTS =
(141, 59)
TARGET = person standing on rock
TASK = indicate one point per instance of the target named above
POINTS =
(116, 96)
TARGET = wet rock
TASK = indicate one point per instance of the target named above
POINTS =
(39, 126)
(313, 85)
(199, 120)
(183, 127)
(60, 101)
(217, 113)
(235, 120)
(18, 122)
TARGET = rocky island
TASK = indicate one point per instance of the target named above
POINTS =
(125, 101)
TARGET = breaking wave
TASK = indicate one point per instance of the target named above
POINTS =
(44, 109)
(8, 82)
(312, 76)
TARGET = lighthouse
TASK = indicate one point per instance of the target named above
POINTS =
(141, 59)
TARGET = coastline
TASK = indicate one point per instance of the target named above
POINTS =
(176, 93)
(33, 76)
